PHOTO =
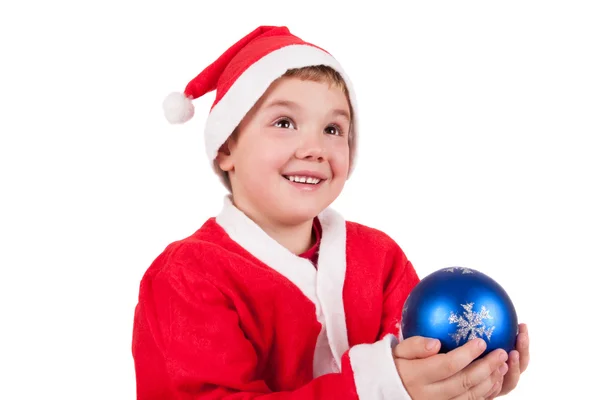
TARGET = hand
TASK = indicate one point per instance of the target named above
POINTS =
(517, 364)
(431, 376)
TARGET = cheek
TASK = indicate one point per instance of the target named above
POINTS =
(339, 159)
(273, 157)
(263, 161)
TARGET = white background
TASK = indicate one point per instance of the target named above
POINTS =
(479, 147)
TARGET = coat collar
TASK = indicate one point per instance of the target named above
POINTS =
(323, 285)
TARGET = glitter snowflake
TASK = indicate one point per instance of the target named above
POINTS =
(464, 270)
(470, 324)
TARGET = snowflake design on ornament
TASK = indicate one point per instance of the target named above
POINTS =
(464, 270)
(470, 324)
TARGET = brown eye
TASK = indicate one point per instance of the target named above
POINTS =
(284, 123)
(333, 130)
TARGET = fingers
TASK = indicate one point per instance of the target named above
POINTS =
(477, 379)
(523, 347)
(443, 366)
(487, 387)
(416, 347)
(514, 373)
(425, 371)
(495, 390)
(518, 361)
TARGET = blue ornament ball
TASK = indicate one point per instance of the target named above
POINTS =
(458, 304)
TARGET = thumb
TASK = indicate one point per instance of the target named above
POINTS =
(416, 347)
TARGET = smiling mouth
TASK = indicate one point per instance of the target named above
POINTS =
(307, 180)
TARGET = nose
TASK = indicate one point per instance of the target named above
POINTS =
(312, 148)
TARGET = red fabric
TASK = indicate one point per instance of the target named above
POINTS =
(213, 322)
(226, 69)
(312, 254)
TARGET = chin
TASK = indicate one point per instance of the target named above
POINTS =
(300, 214)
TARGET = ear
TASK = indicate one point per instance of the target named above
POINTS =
(225, 157)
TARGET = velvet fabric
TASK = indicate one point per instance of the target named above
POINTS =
(228, 313)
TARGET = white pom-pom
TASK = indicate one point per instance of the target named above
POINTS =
(178, 108)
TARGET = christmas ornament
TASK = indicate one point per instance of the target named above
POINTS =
(459, 304)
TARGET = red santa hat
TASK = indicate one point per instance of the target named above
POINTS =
(242, 75)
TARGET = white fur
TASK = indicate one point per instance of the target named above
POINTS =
(322, 285)
(330, 279)
(178, 108)
(375, 373)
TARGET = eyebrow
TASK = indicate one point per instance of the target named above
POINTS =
(342, 113)
(292, 105)
(282, 103)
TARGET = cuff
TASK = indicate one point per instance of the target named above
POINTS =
(375, 374)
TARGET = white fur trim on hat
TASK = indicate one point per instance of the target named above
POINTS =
(254, 82)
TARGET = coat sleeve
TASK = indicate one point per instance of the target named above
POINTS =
(401, 278)
(374, 369)
(188, 344)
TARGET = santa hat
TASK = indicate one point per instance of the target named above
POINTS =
(242, 75)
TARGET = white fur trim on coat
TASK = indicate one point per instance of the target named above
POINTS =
(375, 373)
(323, 285)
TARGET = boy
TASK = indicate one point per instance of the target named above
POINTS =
(279, 297)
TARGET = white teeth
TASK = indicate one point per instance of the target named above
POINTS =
(303, 179)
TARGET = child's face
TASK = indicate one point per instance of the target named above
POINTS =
(297, 129)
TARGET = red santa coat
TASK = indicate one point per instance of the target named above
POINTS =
(229, 313)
